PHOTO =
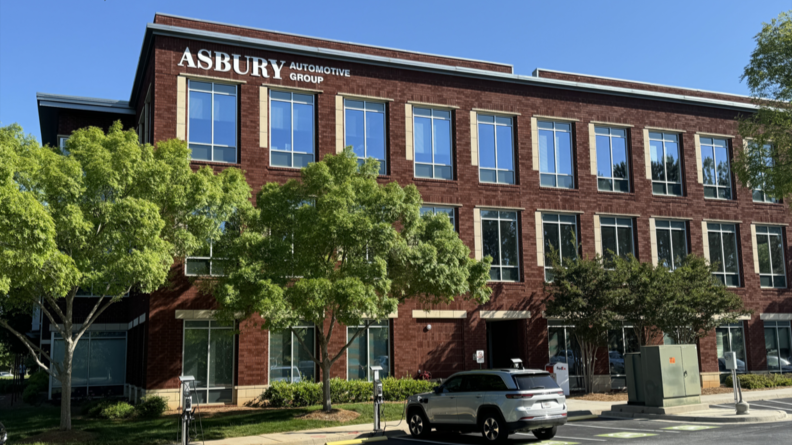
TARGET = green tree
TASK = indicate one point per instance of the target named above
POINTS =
(584, 293)
(693, 303)
(767, 163)
(642, 289)
(108, 216)
(337, 248)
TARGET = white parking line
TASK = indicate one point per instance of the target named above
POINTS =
(564, 437)
(776, 401)
(770, 406)
(424, 441)
(619, 428)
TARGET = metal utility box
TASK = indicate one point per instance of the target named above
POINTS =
(664, 376)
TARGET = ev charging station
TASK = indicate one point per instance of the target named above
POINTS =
(740, 405)
(377, 397)
(187, 389)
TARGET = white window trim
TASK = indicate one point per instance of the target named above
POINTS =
(655, 250)
(291, 109)
(717, 187)
(666, 182)
(497, 169)
(610, 147)
(558, 223)
(500, 244)
(432, 109)
(555, 153)
(720, 231)
(617, 225)
(755, 239)
(212, 144)
(209, 356)
(365, 110)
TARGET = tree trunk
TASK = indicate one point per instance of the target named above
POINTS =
(326, 403)
(66, 381)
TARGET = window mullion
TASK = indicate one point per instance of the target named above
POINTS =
(495, 133)
(291, 109)
(365, 129)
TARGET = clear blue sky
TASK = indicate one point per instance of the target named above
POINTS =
(91, 47)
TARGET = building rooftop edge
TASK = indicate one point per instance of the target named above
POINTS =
(112, 105)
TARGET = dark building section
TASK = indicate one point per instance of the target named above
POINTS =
(519, 164)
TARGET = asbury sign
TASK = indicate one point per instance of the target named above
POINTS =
(257, 66)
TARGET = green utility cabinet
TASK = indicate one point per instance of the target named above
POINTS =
(663, 376)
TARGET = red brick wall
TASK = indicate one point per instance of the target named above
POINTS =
(70, 120)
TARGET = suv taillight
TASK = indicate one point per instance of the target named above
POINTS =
(519, 396)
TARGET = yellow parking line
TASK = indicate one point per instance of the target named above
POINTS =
(358, 441)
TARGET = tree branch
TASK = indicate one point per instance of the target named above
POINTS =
(368, 323)
(305, 347)
(51, 318)
(31, 347)
(92, 317)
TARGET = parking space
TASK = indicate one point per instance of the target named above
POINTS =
(629, 431)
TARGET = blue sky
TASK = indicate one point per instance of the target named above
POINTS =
(91, 47)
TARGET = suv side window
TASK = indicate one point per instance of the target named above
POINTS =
(453, 385)
(493, 383)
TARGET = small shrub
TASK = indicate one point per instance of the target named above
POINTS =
(759, 381)
(282, 394)
(94, 408)
(151, 407)
(35, 385)
(117, 410)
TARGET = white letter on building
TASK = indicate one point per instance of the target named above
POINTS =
(236, 64)
(205, 56)
(276, 68)
(259, 64)
(188, 57)
(222, 62)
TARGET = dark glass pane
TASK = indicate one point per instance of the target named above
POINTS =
(423, 171)
(716, 254)
(508, 242)
(280, 126)
(354, 132)
(491, 244)
(566, 182)
(763, 250)
(486, 137)
(672, 162)
(658, 188)
(779, 282)
(609, 246)
(495, 273)
(505, 148)
(730, 252)
(442, 140)
(196, 353)
(625, 241)
(509, 274)
(766, 281)
(732, 280)
(443, 172)
(777, 254)
(621, 185)
(197, 267)
(487, 175)
(280, 159)
(605, 184)
(664, 255)
(423, 139)
(201, 152)
(302, 160)
(505, 177)
(551, 240)
(568, 247)
(675, 189)
(724, 193)
(709, 192)
(758, 195)
(375, 135)
(679, 245)
(547, 180)
(225, 154)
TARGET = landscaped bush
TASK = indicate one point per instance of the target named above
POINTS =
(151, 407)
(117, 410)
(758, 381)
(342, 391)
(35, 385)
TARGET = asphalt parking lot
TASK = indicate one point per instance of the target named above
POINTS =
(628, 431)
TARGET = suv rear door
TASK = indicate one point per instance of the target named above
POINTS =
(442, 407)
(477, 389)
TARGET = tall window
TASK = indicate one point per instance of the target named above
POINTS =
(500, 241)
(364, 130)
(723, 252)
(98, 364)
(612, 166)
(432, 132)
(62, 145)
(560, 234)
(212, 123)
(450, 211)
(716, 170)
(209, 357)
(370, 348)
(621, 340)
(666, 167)
(292, 138)
(729, 338)
(671, 242)
(555, 155)
(778, 344)
(770, 247)
(759, 194)
(617, 237)
(563, 348)
(288, 360)
(203, 262)
(496, 149)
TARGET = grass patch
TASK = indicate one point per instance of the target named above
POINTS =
(28, 422)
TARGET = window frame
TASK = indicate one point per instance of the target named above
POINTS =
(516, 220)
(766, 199)
(616, 226)
(383, 162)
(62, 138)
(433, 164)
(570, 345)
(293, 342)
(87, 338)
(773, 276)
(671, 230)
(556, 174)
(729, 328)
(209, 356)
(434, 208)
(777, 327)
(623, 327)
(720, 232)
(384, 325)
(558, 223)
(209, 258)
(666, 183)
(212, 144)
(495, 124)
(613, 178)
(314, 136)
(713, 146)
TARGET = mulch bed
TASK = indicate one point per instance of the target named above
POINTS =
(335, 415)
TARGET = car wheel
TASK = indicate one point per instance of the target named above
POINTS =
(545, 433)
(418, 424)
(493, 428)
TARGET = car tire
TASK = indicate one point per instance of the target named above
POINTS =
(545, 433)
(493, 428)
(418, 424)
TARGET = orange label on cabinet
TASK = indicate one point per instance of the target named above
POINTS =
(673, 360)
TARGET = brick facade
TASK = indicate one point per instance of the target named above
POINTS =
(449, 346)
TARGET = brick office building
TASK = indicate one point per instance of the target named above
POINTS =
(518, 162)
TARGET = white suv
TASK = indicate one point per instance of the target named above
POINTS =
(495, 402)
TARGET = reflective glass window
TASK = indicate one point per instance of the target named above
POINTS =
(432, 142)
(715, 168)
(555, 155)
(212, 121)
(292, 139)
(612, 165)
(364, 130)
(496, 149)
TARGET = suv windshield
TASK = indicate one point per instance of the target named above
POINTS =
(535, 381)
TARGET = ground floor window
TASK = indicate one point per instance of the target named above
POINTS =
(209, 357)
(288, 359)
(730, 338)
(621, 340)
(778, 343)
(98, 364)
(563, 348)
(370, 348)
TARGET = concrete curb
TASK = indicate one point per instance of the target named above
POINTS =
(768, 416)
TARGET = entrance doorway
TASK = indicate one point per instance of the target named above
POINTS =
(504, 342)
